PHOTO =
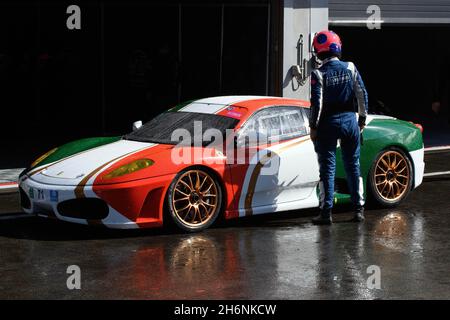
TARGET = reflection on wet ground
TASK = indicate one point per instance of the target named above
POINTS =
(271, 257)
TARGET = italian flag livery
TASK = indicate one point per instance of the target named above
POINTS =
(134, 182)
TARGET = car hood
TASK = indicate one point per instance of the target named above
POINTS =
(75, 168)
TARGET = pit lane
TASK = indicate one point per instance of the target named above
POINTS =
(277, 256)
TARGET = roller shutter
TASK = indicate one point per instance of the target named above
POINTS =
(343, 12)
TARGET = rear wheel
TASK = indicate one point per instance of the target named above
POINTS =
(390, 178)
(194, 200)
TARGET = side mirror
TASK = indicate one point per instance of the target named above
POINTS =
(137, 125)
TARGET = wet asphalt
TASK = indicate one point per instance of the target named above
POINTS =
(276, 256)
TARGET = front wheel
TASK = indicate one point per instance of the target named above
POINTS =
(194, 200)
(390, 178)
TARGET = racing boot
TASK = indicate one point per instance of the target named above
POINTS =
(359, 215)
(324, 218)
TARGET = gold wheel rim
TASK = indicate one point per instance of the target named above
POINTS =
(392, 176)
(194, 198)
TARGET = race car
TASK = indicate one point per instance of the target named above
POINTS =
(158, 174)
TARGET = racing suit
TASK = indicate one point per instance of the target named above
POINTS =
(337, 92)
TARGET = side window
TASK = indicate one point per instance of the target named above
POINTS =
(306, 112)
(293, 124)
(268, 125)
(273, 124)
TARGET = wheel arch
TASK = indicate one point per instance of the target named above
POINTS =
(405, 150)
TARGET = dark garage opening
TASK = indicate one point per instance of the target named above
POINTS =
(405, 69)
(130, 61)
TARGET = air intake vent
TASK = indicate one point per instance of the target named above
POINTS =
(86, 208)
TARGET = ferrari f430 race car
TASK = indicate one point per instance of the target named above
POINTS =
(148, 177)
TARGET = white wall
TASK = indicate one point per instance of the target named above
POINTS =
(300, 17)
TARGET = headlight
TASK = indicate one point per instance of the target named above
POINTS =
(129, 168)
(43, 157)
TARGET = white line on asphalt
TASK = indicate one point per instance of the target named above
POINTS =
(9, 186)
(15, 216)
(440, 148)
(432, 174)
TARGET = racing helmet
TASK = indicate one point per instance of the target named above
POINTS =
(327, 43)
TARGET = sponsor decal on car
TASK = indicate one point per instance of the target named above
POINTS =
(40, 194)
(234, 114)
(31, 193)
(53, 195)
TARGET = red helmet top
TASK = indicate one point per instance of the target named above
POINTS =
(327, 41)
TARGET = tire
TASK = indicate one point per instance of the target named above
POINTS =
(194, 200)
(390, 178)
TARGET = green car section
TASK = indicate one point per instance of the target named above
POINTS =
(380, 134)
(75, 147)
(342, 198)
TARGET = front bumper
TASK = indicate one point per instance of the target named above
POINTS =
(129, 205)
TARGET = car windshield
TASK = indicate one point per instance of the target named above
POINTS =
(162, 129)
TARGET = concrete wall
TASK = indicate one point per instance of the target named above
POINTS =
(301, 17)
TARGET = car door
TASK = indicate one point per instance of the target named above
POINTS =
(282, 165)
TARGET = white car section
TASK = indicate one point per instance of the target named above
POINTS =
(72, 170)
(419, 166)
(216, 104)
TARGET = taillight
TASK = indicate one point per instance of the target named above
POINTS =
(418, 125)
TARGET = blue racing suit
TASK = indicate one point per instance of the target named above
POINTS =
(337, 92)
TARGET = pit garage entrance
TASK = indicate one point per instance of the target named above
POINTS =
(129, 61)
(405, 64)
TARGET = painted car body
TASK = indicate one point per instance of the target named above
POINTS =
(74, 180)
